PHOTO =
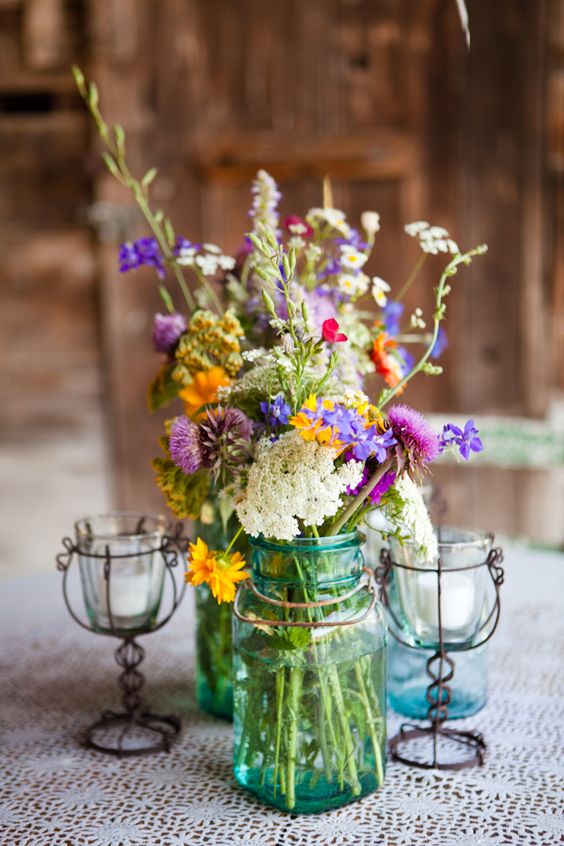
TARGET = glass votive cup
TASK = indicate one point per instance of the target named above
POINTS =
(122, 569)
(464, 576)
(408, 681)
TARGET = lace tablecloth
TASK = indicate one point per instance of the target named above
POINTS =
(56, 678)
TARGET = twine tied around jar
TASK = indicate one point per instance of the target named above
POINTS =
(368, 582)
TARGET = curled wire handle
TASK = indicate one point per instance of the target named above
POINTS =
(171, 547)
(314, 624)
(64, 561)
(487, 628)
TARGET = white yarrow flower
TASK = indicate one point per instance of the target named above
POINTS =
(414, 520)
(226, 262)
(212, 248)
(292, 479)
(208, 264)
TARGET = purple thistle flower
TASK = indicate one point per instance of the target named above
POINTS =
(143, 252)
(392, 313)
(277, 412)
(418, 444)
(184, 445)
(467, 440)
(167, 329)
(224, 437)
(440, 344)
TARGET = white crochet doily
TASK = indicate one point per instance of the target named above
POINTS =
(55, 679)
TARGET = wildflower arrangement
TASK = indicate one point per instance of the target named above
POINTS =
(268, 353)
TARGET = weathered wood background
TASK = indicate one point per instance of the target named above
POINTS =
(383, 96)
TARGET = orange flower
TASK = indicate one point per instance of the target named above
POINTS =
(203, 389)
(387, 365)
(219, 570)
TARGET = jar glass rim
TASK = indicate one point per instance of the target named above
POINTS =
(474, 538)
(83, 527)
(326, 542)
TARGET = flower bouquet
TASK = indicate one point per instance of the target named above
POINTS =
(279, 455)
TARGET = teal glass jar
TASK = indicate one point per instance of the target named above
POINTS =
(408, 681)
(214, 689)
(309, 662)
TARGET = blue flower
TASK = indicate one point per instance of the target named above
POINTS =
(467, 440)
(440, 344)
(392, 313)
(277, 412)
(143, 252)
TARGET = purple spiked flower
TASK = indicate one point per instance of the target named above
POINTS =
(467, 440)
(184, 445)
(167, 329)
(143, 252)
(418, 443)
(379, 489)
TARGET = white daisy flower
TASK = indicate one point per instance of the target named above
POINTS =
(351, 258)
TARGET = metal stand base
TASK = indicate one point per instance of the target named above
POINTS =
(472, 742)
(133, 731)
(150, 733)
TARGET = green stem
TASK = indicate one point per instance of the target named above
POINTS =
(370, 722)
(411, 278)
(280, 682)
(293, 705)
(345, 728)
(440, 292)
(233, 540)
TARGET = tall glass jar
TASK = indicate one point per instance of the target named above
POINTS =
(309, 654)
(408, 681)
(214, 689)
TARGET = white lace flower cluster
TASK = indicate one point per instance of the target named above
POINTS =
(266, 197)
(292, 479)
(208, 260)
(414, 521)
(432, 239)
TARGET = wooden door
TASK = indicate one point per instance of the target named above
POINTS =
(383, 97)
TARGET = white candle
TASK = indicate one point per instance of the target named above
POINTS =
(457, 599)
(129, 594)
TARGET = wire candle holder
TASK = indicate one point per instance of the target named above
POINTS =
(123, 571)
(391, 577)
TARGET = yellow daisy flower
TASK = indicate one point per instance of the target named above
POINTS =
(227, 572)
(203, 389)
(219, 570)
(201, 562)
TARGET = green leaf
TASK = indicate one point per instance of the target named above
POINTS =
(93, 96)
(163, 389)
(169, 232)
(166, 298)
(119, 133)
(159, 216)
(110, 163)
(79, 80)
(149, 176)
(185, 494)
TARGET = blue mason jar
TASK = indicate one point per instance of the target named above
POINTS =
(408, 681)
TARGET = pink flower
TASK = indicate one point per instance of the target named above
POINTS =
(298, 226)
(330, 332)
